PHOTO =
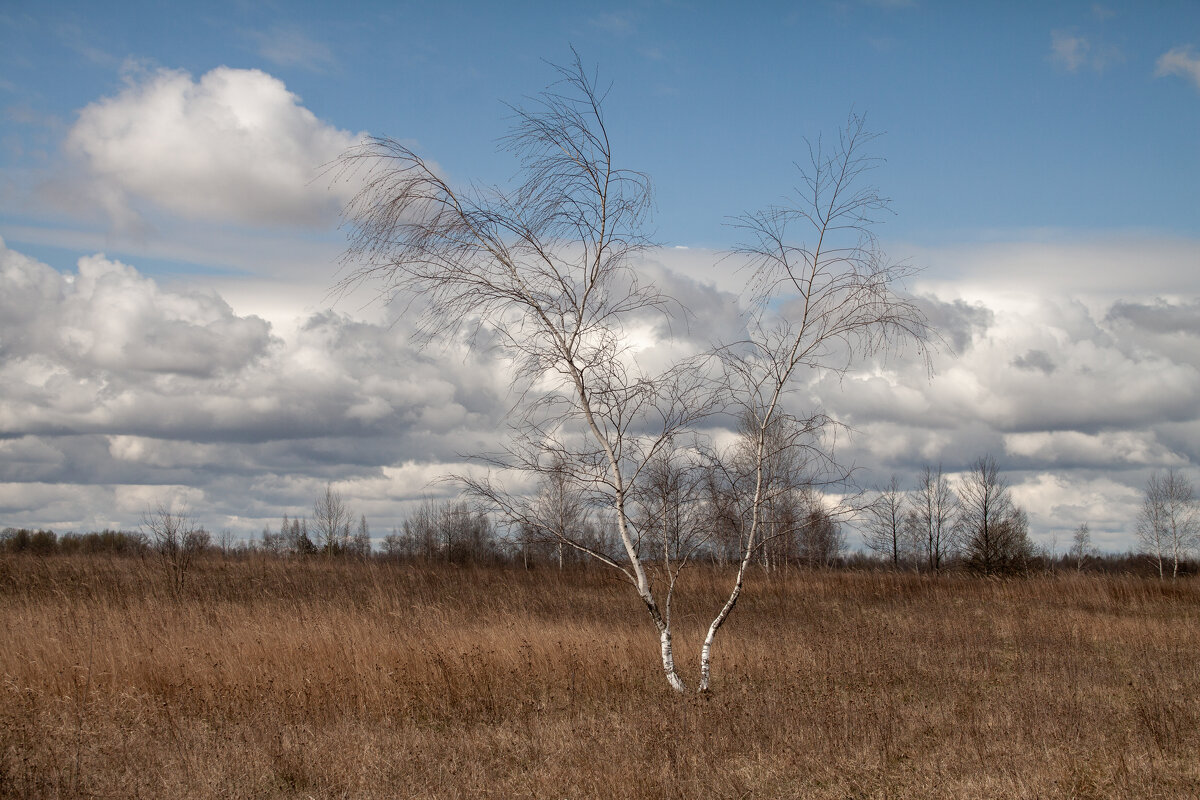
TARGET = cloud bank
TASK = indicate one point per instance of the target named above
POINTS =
(114, 384)
(120, 391)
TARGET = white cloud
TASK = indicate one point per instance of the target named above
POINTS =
(1107, 449)
(1073, 51)
(1059, 502)
(111, 379)
(235, 146)
(109, 317)
(1069, 50)
(1098, 269)
(1182, 61)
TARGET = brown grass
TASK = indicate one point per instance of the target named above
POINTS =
(296, 679)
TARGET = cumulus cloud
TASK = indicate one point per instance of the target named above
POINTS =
(112, 381)
(957, 322)
(109, 378)
(1098, 269)
(1159, 316)
(1103, 450)
(234, 146)
(107, 316)
(1058, 502)
(1182, 61)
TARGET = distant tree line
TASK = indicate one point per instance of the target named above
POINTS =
(974, 524)
(689, 512)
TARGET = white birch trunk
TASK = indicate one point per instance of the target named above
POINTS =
(661, 622)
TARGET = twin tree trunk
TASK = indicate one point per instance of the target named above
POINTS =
(548, 271)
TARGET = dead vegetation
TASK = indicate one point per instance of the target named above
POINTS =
(277, 678)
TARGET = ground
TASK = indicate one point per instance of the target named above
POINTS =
(289, 678)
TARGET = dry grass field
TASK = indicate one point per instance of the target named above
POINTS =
(298, 679)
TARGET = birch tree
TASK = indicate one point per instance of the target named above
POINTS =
(544, 273)
(331, 520)
(823, 297)
(559, 511)
(1169, 524)
(1081, 546)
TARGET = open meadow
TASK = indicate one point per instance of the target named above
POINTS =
(297, 678)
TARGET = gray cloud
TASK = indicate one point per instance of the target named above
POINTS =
(1159, 316)
(1035, 360)
(958, 322)
(114, 382)
(120, 391)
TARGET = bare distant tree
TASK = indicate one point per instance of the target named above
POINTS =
(331, 521)
(933, 510)
(444, 530)
(422, 536)
(886, 532)
(1081, 545)
(782, 483)
(361, 543)
(819, 537)
(995, 531)
(669, 515)
(1169, 525)
(396, 546)
(177, 539)
(559, 511)
(277, 543)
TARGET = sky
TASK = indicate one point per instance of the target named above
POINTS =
(168, 332)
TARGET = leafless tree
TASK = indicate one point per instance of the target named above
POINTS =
(1081, 545)
(331, 521)
(395, 545)
(447, 530)
(933, 509)
(995, 530)
(559, 511)
(1169, 524)
(360, 545)
(177, 539)
(421, 534)
(544, 273)
(783, 483)
(823, 298)
(886, 533)
(669, 513)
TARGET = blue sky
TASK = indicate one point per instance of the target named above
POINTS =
(1043, 161)
(989, 127)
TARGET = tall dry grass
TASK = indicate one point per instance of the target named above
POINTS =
(295, 679)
